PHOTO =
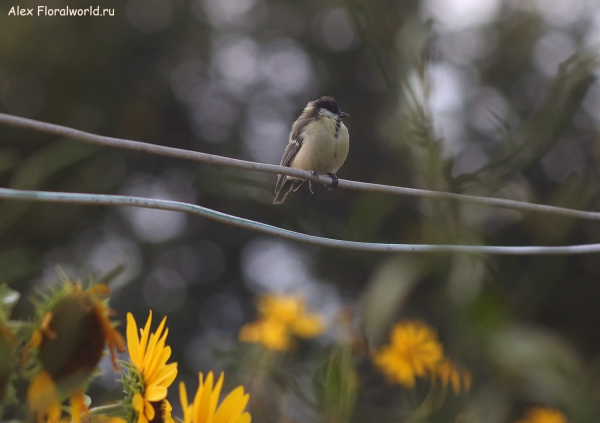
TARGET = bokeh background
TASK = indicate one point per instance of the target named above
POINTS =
(486, 97)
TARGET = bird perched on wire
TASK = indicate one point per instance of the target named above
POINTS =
(319, 143)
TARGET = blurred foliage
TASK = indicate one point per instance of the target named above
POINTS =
(495, 98)
(336, 389)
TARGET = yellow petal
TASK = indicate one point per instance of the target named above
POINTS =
(183, 399)
(185, 405)
(166, 409)
(149, 353)
(78, 406)
(274, 335)
(161, 327)
(54, 414)
(138, 403)
(149, 410)
(133, 342)
(201, 411)
(156, 361)
(42, 395)
(232, 406)
(156, 339)
(145, 333)
(155, 393)
(167, 375)
(214, 398)
(309, 326)
(244, 418)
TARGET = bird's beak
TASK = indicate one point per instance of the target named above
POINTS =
(342, 114)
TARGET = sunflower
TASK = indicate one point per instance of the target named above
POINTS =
(204, 407)
(281, 317)
(149, 376)
(543, 415)
(73, 329)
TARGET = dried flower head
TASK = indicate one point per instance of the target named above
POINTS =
(73, 329)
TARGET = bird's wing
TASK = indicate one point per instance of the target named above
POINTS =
(296, 139)
(290, 152)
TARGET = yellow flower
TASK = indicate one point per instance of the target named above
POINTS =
(414, 351)
(543, 415)
(204, 407)
(150, 375)
(271, 333)
(280, 317)
(289, 310)
(67, 346)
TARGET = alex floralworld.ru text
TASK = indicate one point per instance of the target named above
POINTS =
(65, 11)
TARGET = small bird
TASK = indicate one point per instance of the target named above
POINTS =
(319, 143)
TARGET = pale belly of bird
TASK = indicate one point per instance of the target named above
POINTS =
(330, 152)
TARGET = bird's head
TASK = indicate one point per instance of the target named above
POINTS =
(327, 105)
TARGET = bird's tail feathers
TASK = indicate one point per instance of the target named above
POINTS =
(296, 184)
(282, 190)
(284, 187)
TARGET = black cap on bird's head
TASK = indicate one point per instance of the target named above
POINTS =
(329, 104)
